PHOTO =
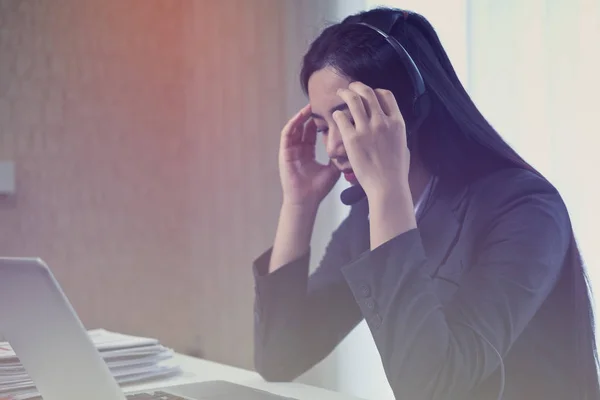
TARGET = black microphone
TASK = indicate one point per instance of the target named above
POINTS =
(352, 195)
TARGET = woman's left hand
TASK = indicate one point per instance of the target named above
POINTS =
(376, 142)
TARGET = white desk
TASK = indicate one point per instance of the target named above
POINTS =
(197, 370)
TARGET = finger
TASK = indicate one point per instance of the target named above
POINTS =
(310, 133)
(301, 116)
(388, 103)
(344, 125)
(391, 109)
(356, 107)
(293, 136)
(292, 132)
(372, 101)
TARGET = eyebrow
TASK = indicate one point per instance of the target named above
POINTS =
(339, 107)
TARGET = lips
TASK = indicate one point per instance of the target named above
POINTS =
(349, 175)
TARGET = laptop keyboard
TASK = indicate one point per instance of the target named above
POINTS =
(154, 396)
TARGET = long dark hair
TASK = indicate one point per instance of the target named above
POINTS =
(455, 143)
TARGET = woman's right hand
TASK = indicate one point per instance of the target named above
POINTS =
(305, 181)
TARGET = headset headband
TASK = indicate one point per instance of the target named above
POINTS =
(413, 72)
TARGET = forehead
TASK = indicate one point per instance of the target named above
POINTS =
(322, 90)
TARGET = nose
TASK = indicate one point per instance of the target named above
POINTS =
(334, 144)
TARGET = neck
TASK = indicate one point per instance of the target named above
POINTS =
(418, 178)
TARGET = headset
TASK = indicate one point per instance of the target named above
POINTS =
(421, 103)
(421, 106)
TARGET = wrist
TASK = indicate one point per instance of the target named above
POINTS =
(391, 196)
(390, 214)
(294, 231)
(304, 208)
(299, 219)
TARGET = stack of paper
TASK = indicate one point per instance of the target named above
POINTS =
(131, 359)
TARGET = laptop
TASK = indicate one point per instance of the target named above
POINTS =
(57, 352)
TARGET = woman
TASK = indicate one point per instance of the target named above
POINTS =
(461, 258)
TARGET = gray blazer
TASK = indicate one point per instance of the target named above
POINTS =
(478, 282)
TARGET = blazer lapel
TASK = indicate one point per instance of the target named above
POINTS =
(440, 227)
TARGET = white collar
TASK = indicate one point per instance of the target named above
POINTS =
(424, 195)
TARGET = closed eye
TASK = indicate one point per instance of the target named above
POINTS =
(323, 130)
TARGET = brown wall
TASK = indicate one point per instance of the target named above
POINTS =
(144, 135)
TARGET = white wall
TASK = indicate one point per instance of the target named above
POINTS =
(538, 84)
(145, 137)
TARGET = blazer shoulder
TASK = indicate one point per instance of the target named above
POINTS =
(503, 190)
(512, 183)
